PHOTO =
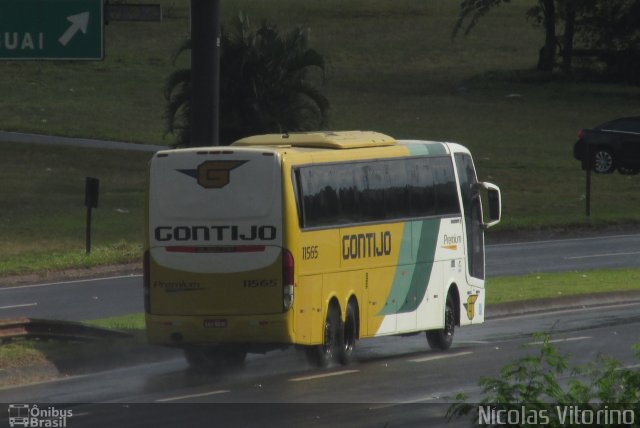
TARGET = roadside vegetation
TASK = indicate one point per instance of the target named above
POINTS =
(548, 285)
(32, 360)
(264, 84)
(389, 66)
(42, 222)
(545, 389)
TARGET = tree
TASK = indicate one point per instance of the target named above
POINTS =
(570, 11)
(544, 12)
(609, 32)
(264, 84)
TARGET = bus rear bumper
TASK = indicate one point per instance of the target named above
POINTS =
(181, 331)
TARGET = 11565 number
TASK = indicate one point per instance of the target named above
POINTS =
(310, 253)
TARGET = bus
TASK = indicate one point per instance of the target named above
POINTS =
(315, 239)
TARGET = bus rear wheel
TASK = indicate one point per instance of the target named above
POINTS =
(323, 355)
(443, 338)
(213, 358)
(349, 336)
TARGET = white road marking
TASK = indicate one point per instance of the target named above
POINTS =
(568, 339)
(184, 397)
(602, 255)
(323, 375)
(24, 305)
(439, 357)
(76, 281)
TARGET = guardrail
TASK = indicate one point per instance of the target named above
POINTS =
(31, 328)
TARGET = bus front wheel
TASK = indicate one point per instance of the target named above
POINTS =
(443, 338)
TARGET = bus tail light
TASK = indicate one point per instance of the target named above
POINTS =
(287, 278)
(146, 281)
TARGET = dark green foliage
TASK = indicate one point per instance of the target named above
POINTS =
(607, 31)
(610, 24)
(534, 383)
(265, 84)
(177, 92)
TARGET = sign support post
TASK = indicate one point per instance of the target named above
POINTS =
(91, 191)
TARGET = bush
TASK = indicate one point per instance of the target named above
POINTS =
(529, 390)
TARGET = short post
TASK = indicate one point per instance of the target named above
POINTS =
(587, 163)
(91, 191)
(588, 195)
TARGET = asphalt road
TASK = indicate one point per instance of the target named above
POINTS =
(74, 300)
(394, 382)
(101, 298)
(616, 251)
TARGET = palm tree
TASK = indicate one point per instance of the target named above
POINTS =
(264, 85)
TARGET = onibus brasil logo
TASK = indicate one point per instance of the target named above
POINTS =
(26, 415)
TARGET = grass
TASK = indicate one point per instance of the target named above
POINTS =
(549, 285)
(392, 67)
(125, 322)
(43, 219)
(27, 361)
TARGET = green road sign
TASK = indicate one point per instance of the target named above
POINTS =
(51, 29)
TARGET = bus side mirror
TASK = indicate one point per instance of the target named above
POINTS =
(494, 200)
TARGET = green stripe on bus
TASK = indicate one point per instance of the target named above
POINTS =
(427, 149)
(404, 270)
(410, 281)
(424, 265)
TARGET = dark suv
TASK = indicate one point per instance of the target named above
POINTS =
(614, 144)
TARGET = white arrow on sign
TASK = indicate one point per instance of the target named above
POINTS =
(78, 22)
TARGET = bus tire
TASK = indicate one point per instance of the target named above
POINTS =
(443, 338)
(213, 359)
(349, 336)
(323, 355)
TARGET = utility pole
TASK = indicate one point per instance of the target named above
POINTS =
(205, 72)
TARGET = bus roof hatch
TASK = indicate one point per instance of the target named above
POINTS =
(321, 140)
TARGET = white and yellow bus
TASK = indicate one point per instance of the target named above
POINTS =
(313, 239)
